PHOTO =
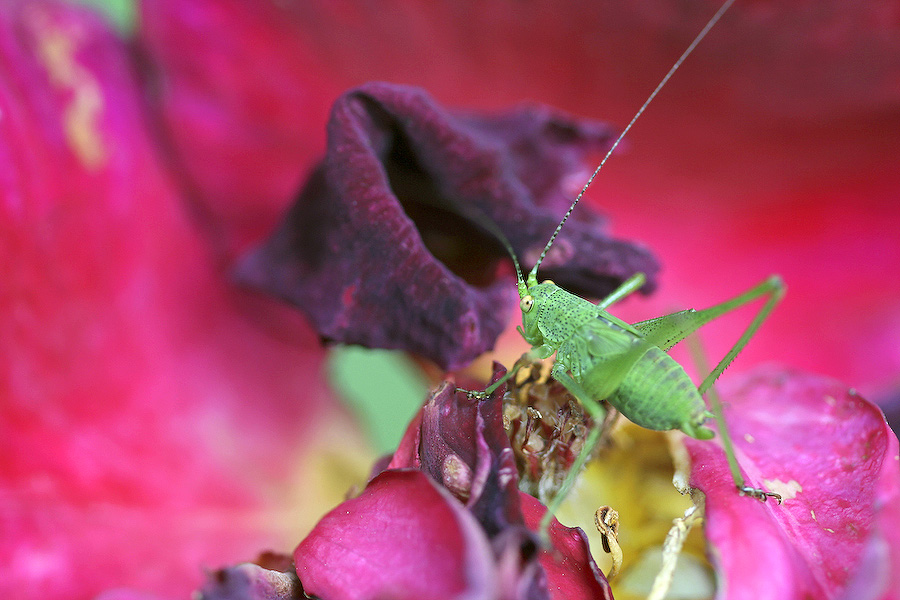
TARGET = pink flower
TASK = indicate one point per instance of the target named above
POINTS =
(153, 414)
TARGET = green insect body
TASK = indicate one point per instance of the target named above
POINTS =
(589, 341)
(600, 357)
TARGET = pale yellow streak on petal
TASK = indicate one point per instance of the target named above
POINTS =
(58, 48)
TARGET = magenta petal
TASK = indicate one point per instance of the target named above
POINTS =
(378, 249)
(147, 424)
(241, 113)
(403, 537)
(833, 457)
(571, 571)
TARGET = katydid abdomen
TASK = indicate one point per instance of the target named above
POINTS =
(658, 394)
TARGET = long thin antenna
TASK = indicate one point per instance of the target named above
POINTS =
(498, 233)
(709, 25)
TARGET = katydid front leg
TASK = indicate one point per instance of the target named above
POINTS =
(539, 353)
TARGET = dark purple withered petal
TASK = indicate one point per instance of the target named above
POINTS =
(265, 579)
(389, 243)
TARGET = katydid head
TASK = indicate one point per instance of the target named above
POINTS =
(532, 296)
(526, 292)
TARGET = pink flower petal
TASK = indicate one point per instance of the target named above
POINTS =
(242, 112)
(833, 458)
(403, 537)
(149, 419)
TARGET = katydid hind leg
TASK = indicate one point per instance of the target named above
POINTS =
(715, 404)
(772, 287)
(669, 330)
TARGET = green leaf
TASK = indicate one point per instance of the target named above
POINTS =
(383, 388)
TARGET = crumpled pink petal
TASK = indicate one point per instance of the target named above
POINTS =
(148, 416)
(831, 455)
(403, 538)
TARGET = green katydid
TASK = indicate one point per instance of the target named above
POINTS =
(602, 358)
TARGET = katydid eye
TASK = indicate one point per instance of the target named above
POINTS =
(526, 303)
(548, 282)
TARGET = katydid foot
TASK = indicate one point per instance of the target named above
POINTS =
(758, 493)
